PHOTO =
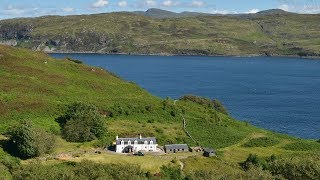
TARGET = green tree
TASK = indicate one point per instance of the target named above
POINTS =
(82, 122)
(26, 141)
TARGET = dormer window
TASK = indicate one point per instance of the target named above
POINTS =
(129, 142)
(151, 142)
(122, 142)
(145, 142)
(135, 142)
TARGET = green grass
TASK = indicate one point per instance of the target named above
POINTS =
(261, 142)
(303, 145)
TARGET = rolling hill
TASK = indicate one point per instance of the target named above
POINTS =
(38, 88)
(271, 32)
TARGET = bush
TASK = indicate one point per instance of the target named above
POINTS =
(82, 122)
(26, 141)
(215, 104)
(297, 167)
(4, 172)
(73, 170)
(10, 162)
(74, 60)
(261, 142)
(254, 161)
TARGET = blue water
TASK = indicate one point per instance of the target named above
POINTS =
(279, 94)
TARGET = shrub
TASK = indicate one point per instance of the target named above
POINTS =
(73, 170)
(74, 60)
(261, 142)
(26, 141)
(10, 162)
(4, 172)
(215, 104)
(297, 167)
(254, 161)
(82, 122)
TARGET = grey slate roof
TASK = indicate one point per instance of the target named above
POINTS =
(140, 141)
(209, 150)
(176, 146)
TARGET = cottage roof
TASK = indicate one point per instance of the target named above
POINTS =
(209, 150)
(139, 140)
(176, 146)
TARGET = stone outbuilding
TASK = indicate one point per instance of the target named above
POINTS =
(175, 148)
(209, 152)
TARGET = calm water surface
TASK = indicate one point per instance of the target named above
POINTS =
(279, 94)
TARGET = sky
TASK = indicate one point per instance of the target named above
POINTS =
(33, 8)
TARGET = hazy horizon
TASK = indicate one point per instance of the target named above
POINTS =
(35, 8)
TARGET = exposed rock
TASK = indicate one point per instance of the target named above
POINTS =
(11, 42)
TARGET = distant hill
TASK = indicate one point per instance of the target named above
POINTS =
(159, 13)
(273, 12)
(271, 32)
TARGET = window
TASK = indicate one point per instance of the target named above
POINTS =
(182, 149)
(122, 142)
(135, 142)
(146, 147)
(151, 142)
(129, 142)
(145, 142)
(170, 149)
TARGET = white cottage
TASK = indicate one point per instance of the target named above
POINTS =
(127, 145)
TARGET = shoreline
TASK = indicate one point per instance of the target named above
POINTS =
(201, 55)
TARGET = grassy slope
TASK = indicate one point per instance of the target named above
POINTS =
(284, 34)
(37, 87)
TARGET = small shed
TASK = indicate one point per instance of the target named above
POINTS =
(175, 148)
(209, 152)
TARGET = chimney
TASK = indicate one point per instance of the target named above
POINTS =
(117, 137)
(140, 137)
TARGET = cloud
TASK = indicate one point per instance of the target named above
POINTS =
(198, 3)
(12, 10)
(252, 11)
(223, 11)
(284, 7)
(308, 9)
(169, 3)
(68, 9)
(304, 9)
(15, 11)
(150, 3)
(100, 4)
(123, 4)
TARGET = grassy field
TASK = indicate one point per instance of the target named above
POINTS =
(37, 87)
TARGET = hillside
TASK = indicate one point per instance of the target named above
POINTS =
(38, 88)
(272, 32)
